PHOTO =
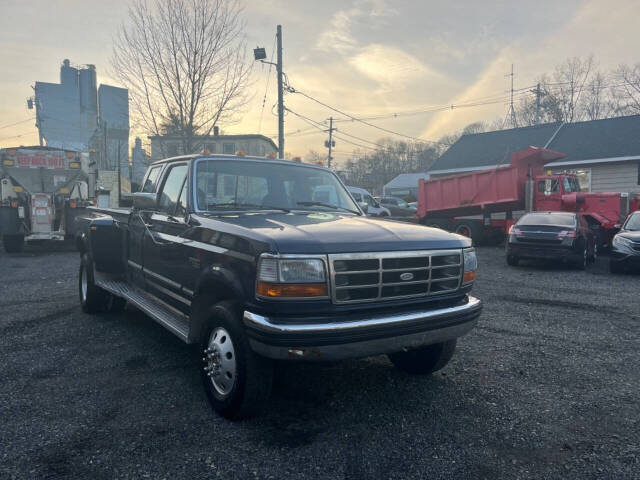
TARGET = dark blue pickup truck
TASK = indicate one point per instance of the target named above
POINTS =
(256, 259)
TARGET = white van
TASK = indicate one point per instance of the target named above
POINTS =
(368, 203)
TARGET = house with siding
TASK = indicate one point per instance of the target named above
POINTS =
(163, 146)
(605, 154)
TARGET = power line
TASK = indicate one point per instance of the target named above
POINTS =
(18, 123)
(266, 88)
(293, 90)
(322, 128)
(17, 136)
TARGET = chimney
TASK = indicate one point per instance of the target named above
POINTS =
(216, 131)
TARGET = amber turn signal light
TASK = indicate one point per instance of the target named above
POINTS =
(469, 277)
(288, 290)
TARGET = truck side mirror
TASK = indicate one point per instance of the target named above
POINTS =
(144, 201)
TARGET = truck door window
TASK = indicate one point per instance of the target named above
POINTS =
(181, 208)
(548, 186)
(171, 188)
(150, 182)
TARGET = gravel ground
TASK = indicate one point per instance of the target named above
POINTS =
(547, 386)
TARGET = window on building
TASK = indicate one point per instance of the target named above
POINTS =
(172, 149)
(229, 148)
(211, 147)
(171, 188)
(638, 174)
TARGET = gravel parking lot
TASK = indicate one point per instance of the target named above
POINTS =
(546, 387)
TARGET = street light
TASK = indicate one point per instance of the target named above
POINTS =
(259, 53)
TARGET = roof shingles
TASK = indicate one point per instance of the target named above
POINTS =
(607, 138)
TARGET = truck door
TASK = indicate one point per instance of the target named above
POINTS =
(548, 194)
(137, 229)
(164, 245)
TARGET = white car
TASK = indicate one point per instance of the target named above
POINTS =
(368, 203)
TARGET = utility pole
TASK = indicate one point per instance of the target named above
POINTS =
(119, 179)
(537, 103)
(330, 143)
(280, 95)
(514, 121)
(538, 94)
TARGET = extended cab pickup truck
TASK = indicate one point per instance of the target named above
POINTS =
(238, 255)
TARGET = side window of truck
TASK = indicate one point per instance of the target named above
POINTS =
(171, 188)
(150, 182)
(181, 208)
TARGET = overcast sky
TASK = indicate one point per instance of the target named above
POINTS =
(364, 57)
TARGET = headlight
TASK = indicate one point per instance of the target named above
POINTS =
(470, 266)
(291, 277)
(620, 241)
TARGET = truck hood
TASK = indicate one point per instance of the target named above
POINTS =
(322, 232)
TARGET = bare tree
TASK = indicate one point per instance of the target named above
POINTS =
(570, 80)
(628, 91)
(315, 158)
(597, 102)
(184, 63)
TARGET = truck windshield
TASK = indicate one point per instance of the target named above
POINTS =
(633, 223)
(223, 185)
(571, 185)
(561, 219)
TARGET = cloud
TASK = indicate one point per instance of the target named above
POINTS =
(339, 37)
(390, 66)
(607, 33)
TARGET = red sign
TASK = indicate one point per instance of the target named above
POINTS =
(41, 161)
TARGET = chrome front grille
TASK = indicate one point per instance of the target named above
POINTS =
(367, 277)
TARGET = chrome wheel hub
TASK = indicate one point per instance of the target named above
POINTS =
(220, 361)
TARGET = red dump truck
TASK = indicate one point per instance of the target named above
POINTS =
(482, 204)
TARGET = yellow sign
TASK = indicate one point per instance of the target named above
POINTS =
(17, 189)
(74, 165)
(64, 190)
(8, 163)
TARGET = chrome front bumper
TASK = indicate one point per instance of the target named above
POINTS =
(374, 335)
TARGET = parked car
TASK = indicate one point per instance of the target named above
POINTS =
(368, 203)
(414, 205)
(246, 258)
(397, 206)
(625, 247)
(552, 235)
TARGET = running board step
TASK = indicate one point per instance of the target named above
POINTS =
(170, 318)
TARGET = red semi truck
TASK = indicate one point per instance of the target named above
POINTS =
(494, 195)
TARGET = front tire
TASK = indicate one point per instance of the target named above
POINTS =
(93, 299)
(581, 263)
(237, 380)
(424, 360)
(13, 243)
(512, 260)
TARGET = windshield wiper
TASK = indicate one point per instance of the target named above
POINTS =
(249, 205)
(326, 205)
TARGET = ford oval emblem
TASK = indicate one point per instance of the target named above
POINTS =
(406, 276)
